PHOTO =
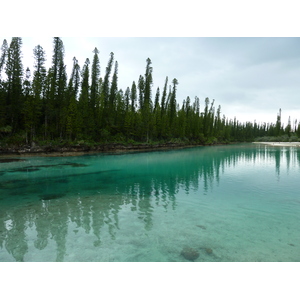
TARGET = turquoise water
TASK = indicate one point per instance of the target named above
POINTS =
(226, 203)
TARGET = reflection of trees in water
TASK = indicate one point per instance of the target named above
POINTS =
(17, 231)
(97, 211)
(286, 156)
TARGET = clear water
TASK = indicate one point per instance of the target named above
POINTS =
(227, 203)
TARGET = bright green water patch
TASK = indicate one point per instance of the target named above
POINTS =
(224, 203)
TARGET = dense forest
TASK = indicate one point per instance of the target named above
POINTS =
(45, 106)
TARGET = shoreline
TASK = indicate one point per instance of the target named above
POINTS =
(279, 144)
(48, 151)
(117, 148)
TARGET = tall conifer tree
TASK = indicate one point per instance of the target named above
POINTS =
(95, 90)
(38, 86)
(105, 92)
(133, 96)
(57, 116)
(29, 110)
(173, 102)
(95, 75)
(3, 58)
(14, 72)
(146, 108)
(3, 106)
(84, 107)
(72, 125)
(113, 97)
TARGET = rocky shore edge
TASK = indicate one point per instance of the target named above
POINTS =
(68, 150)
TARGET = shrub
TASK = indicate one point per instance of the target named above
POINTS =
(294, 138)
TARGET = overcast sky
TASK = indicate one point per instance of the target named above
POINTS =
(251, 78)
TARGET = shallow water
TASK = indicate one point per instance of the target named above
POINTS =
(226, 203)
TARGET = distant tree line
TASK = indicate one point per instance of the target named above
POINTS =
(44, 105)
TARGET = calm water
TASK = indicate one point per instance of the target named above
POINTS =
(227, 203)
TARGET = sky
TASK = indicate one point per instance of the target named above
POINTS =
(250, 78)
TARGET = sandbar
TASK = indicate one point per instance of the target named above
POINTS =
(280, 144)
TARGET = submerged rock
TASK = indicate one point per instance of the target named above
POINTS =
(8, 160)
(51, 196)
(208, 250)
(30, 169)
(201, 226)
(189, 253)
(65, 180)
(25, 169)
(75, 165)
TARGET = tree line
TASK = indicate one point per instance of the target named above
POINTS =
(44, 105)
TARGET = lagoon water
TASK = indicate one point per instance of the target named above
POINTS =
(224, 203)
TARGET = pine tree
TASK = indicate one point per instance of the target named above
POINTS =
(141, 88)
(3, 58)
(148, 83)
(164, 126)
(14, 72)
(95, 75)
(112, 106)
(157, 115)
(288, 128)
(47, 105)
(182, 121)
(86, 127)
(146, 107)
(278, 124)
(72, 126)
(38, 87)
(3, 106)
(218, 124)
(127, 99)
(211, 119)
(128, 113)
(94, 95)
(156, 101)
(173, 103)
(120, 114)
(105, 92)
(39, 74)
(190, 120)
(130, 117)
(133, 96)
(29, 110)
(61, 96)
(164, 97)
(206, 118)
(57, 115)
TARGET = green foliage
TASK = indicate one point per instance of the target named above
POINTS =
(281, 138)
(91, 109)
(6, 129)
(14, 95)
(16, 140)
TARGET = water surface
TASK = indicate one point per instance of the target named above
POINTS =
(226, 203)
